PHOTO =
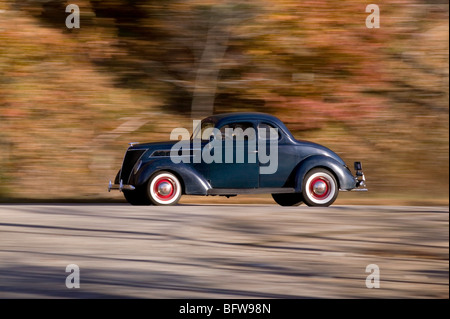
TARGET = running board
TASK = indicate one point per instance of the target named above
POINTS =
(238, 191)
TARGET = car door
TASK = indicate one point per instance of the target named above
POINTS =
(277, 157)
(239, 166)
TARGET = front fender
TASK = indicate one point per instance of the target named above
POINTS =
(345, 178)
(194, 183)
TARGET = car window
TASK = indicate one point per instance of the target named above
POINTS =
(206, 130)
(264, 132)
(238, 131)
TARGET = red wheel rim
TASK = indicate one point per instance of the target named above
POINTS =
(319, 188)
(164, 189)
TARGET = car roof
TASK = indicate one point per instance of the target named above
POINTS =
(251, 116)
(218, 119)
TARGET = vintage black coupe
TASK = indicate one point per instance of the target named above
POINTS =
(232, 154)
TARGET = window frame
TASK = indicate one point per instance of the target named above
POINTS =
(270, 125)
(251, 125)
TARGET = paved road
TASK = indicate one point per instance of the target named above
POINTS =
(223, 251)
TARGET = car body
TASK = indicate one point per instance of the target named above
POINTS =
(293, 171)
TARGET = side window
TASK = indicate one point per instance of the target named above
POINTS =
(203, 130)
(264, 132)
(238, 131)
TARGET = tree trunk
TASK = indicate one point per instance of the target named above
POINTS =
(208, 72)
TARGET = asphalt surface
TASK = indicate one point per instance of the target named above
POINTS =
(223, 251)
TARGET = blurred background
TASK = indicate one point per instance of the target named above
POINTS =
(71, 99)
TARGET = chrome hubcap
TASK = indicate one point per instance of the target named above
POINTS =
(164, 188)
(319, 187)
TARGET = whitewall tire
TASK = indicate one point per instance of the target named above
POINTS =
(164, 189)
(320, 188)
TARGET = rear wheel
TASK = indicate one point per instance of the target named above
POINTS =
(164, 188)
(320, 188)
(289, 199)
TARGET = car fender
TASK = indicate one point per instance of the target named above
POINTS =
(193, 182)
(345, 178)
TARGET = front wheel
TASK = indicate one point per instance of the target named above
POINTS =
(163, 189)
(320, 188)
(136, 197)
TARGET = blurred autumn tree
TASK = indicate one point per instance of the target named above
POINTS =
(379, 95)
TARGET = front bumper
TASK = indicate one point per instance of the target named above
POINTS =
(120, 186)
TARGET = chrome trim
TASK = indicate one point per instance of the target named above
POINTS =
(360, 178)
(354, 190)
(361, 183)
(319, 187)
(360, 187)
(169, 151)
(151, 155)
(164, 188)
(120, 186)
(133, 143)
(138, 165)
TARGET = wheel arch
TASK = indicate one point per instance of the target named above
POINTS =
(328, 169)
(192, 182)
(343, 176)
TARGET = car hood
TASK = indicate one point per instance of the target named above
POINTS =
(154, 146)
